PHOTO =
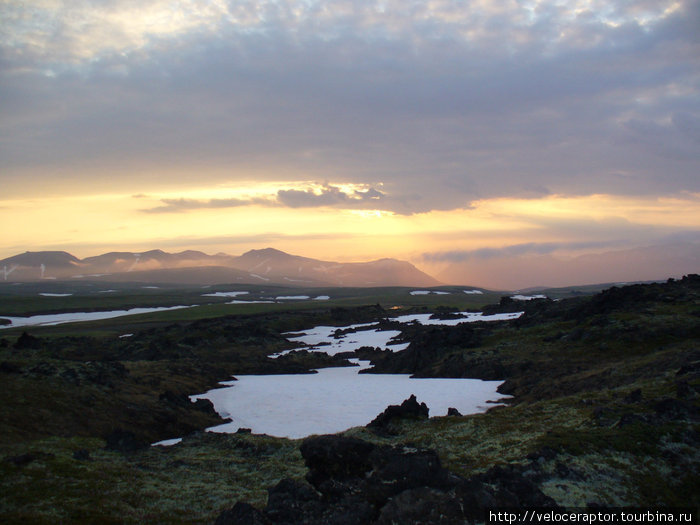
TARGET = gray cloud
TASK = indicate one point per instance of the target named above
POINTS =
(180, 205)
(328, 196)
(443, 104)
(515, 250)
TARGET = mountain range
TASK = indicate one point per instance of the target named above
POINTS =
(193, 267)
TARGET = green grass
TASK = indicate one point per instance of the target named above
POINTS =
(187, 483)
(573, 374)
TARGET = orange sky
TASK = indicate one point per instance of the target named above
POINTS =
(452, 135)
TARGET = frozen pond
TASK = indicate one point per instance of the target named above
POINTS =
(321, 339)
(335, 399)
(353, 337)
(76, 317)
(527, 297)
(465, 317)
(224, 294)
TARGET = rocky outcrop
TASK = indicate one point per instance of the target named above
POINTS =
(351, 481)
(409, 409)
(121, 440)
(27, 342)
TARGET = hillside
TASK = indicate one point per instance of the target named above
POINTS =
(192, 267)
(605, 413)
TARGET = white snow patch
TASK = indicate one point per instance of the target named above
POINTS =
(76, 317)
(321, 339)
(322, 297)
(151, 287)
(125, 335)
(467, 317)
(236, 301)
(527, 297)
(106, 291)
(47, 294)
(473, 292)
(292, 298)
(167, 442)
(258, 276)
(427, 292)
(299, 405)
(223, 294)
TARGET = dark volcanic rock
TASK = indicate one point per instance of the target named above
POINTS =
(356, 482)
(171, 398)
(25, 459)
(453, 412)
(26, 341)
(21, 460)
(634, 397)
(422, 505)
(242, 514)
(408, 409)
(292, 501)
(124, 441)
(82, 454)
(336, 457)
(670, 408)
(513, 489)
(9, 368)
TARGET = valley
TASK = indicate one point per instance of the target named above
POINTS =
(603, 406)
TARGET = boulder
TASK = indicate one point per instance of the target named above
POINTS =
(124, 441)
(82, 454)
(422, 505)
(352, 481)
(408, 409)
(27, 341)
(242, 514)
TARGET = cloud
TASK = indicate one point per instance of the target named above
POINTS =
(321, 195)
(444, 103)
(330, 195)
(515, 250)
(180, 205)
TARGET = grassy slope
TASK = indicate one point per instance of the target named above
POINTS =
(575, 370)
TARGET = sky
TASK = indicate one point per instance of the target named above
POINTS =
(441, 132)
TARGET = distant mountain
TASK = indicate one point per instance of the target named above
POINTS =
(117, 262)
(58, 259)
(274, 265)
(33, 266)
(192, 267)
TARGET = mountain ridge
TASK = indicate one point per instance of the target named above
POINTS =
(267, 265)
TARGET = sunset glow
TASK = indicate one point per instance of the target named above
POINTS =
(443, 134)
